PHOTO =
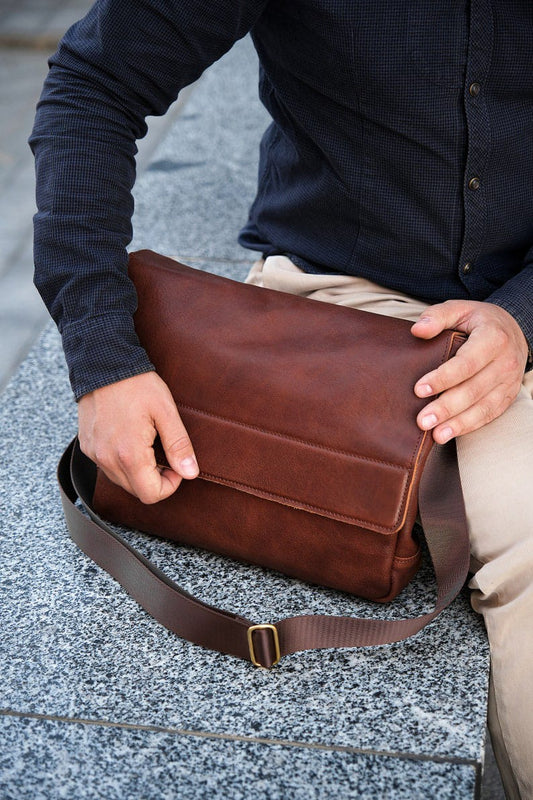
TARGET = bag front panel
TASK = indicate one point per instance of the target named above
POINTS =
(254, 530)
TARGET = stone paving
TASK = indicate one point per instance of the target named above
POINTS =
(22, 314)
(37, 24)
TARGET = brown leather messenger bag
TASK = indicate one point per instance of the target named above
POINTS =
(303, 418)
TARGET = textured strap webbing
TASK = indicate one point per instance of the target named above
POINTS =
(443, 519)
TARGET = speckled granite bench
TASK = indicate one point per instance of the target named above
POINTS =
(98, 700)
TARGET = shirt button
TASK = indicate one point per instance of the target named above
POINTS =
(467, 267)
(474, 89)
(474, 184)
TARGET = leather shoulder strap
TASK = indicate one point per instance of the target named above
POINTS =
(443, 518)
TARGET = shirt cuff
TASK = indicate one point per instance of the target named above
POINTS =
(516, 297)
(102, 350)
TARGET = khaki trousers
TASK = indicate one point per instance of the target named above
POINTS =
(496, 467)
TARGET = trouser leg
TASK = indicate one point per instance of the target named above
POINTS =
(496, 466)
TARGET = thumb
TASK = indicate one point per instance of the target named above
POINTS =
(177, 445)
(438, 318)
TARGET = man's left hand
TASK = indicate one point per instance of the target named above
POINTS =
(482, 379)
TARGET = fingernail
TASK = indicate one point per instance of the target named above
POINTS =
(424, 390)
(445, 435)
(429, 421)
(424, 320)
(189, 467)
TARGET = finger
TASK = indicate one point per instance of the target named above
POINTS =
(460, 398)
(104, 461)
(177, 445)
(484, 411)
(170, 480)
(152, 484)
(133, 466)
(470, 359)
(435, 319)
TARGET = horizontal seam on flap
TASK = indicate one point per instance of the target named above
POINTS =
(305, 506)
(288, 437)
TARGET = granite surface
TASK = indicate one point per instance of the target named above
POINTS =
(45, 759)
(101, 701)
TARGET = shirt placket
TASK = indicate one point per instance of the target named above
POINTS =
(479, 138)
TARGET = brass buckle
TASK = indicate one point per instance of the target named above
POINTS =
(277, 651)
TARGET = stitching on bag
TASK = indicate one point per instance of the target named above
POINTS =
(444, 358)
(301, 505)
(414, 460)
(407, 558)
(413, 463)
(296, 439)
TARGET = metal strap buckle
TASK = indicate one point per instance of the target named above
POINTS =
(275, 637)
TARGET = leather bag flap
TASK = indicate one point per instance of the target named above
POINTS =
(304, 403)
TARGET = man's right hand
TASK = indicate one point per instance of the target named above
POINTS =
(118, 424)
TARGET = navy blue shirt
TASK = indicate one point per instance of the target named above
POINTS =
(401, 150)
